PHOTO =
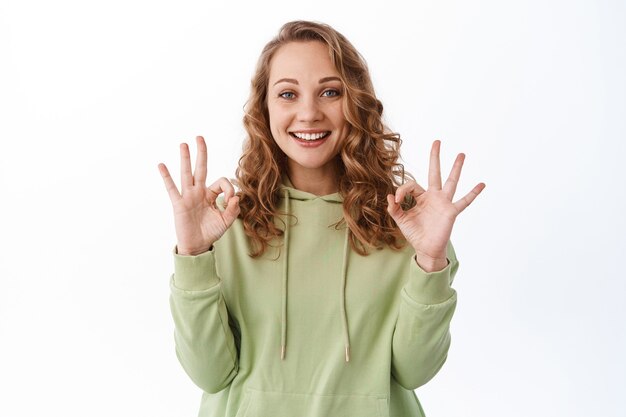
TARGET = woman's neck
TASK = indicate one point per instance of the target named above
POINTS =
(314, 181)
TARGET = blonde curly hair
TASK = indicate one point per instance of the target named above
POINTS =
(368, 167)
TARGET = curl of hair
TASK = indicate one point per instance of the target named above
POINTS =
(368, 164)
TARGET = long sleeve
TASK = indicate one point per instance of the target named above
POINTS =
(205, 344)
(422, 334)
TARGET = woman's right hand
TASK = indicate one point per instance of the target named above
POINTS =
(198, 220)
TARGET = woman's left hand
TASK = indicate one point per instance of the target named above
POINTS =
(428, 225)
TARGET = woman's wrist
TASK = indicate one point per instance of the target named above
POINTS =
(429, 263)
(192, 252)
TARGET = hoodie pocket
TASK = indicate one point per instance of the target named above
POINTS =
(257, 403)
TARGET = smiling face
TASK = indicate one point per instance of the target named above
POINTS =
(304, 100)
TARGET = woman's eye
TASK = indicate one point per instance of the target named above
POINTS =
(287, 95)
(330, 93)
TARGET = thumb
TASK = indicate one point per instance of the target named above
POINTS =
(393, 208)
(232, 211)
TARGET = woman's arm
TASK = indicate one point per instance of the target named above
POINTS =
(422, 334)
(205, 344)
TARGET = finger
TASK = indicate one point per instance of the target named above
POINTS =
(201, 162)
(231, 212)
(186, 179)
(394, 209)
(410, 187)
(222, 185)
(469, 197)
(449, 187)
(171, 188)
(434, 170)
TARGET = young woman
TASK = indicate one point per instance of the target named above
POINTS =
(322, 287)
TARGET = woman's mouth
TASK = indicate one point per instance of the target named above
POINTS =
(309, 137)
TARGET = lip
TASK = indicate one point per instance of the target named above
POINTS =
(310, 131)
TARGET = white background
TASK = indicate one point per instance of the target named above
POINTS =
(93, 95)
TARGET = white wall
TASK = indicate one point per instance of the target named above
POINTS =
(94, 95)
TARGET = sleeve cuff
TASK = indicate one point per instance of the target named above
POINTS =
(429, 287)
(195, 273)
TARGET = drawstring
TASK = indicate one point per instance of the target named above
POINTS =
(283, 321)
(342, 300)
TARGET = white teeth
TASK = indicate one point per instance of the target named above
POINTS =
(310, 136)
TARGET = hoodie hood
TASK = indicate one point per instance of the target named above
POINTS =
(290, 193)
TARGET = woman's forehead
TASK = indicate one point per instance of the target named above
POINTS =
(302, 62)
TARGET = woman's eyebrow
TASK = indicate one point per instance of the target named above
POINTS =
(294, 81)
(326, 79)
(287, 80)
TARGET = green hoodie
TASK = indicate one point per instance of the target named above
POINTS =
(311, 328)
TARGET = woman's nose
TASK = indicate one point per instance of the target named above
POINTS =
(309, 110)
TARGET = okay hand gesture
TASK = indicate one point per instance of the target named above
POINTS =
(199, 222)
(428, 225)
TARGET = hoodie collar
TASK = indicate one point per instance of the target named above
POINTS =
(296, 194)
